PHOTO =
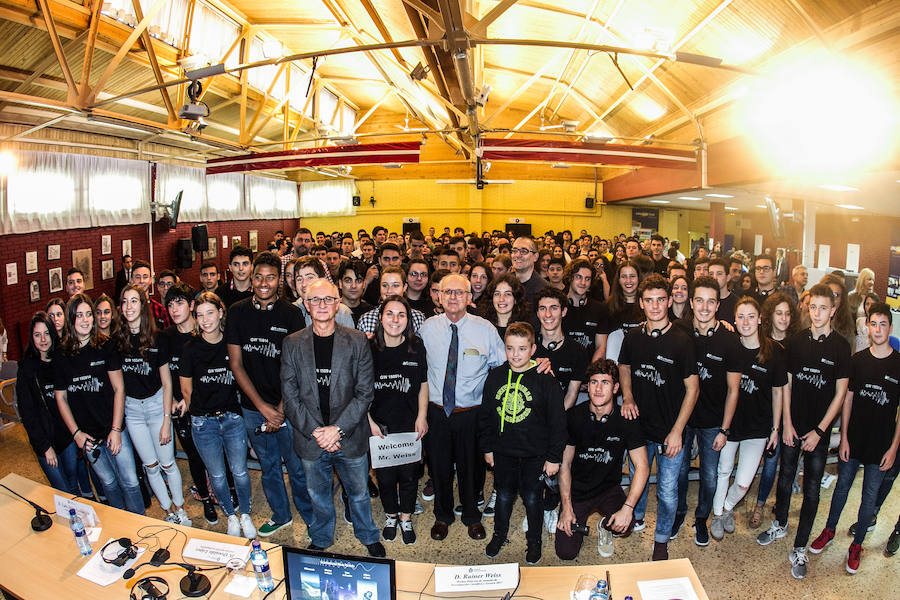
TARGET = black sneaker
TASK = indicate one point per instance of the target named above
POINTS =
(389, 533)
(676, 526)
(457, 510)
(701, 533)
(407, 534)
(209, 511)
(493, 547)
(893, 543)
(373, 489)
(376, 550)
(315, 548)
(346, 502)
(533, 554)
(852, 530)
(428, 491)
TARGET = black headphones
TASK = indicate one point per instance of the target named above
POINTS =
(655, 333)
(124, 551)
(709, 332)
(259, 306)
(581, 302)
(605, 417)
(147, 589)
(554, 345)
(819, 339)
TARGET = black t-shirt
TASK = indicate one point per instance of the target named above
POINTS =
(423, 304)
(659, 367)
(726, 309)
(753, 416)
(875, 383)
(323, 346)
(661, 266)
(399, 376)
(260, 334)
(206, 365)
(815, 366)
(717, 355)
(230, 296)
(140, 370)
(362, 308)
(628, 318)
(174, 341)
(84, 376)
(583, 323)
(569, 361)
(599, 449)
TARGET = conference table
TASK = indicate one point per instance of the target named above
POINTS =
(45, 564)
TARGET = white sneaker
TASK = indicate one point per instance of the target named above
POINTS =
(419, 508)
(605, 546)
(183, 518)
(171, 518)
(490, 507)
(247, 527)
(551, 518)
(234, 526)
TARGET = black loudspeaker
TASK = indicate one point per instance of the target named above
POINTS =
(519, 228)
(408, 227)
(183, 254)
(357, 200)
(589, 202)
(200, 238)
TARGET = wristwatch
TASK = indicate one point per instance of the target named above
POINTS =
(820, 433)
(341, 432)
(725, 432)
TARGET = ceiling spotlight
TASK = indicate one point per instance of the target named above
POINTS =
(419, 72)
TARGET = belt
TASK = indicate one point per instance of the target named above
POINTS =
(217, 413)
(455, 410)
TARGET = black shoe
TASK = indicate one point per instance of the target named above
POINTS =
(870, 528)
(407, 533)
(701, 533)
(315, 548)
(533, 554)
(376, 550)
(373, 489)
(676, 526)
(893, 543)
(209, 511)
(389, 533)
(346, 502)
(493, 547)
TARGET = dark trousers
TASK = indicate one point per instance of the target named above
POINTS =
(397, 487)
(813, 469)
(607, 504)
(519, 476)
(453, 440)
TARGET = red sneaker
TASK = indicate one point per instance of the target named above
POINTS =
(853, 558)
(822, 541)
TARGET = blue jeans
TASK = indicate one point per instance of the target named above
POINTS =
(211, 436)
(767, 477)
(354, 475)
(118, 476)
(64, 476)
(709, 471)
(667, 470)
(272, 449)
(144, 420)
(872, 478)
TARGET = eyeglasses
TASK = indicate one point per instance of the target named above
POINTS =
(327, 301)
(763, 268)
(522, 251)
(454, 293)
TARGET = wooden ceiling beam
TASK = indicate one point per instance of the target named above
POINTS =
(90, 46)
(480, 28)
(433, 15)
(72, 87)
(154, 65)
(382, 29)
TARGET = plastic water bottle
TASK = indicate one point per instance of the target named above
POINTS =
(260, 561)
(81, 538)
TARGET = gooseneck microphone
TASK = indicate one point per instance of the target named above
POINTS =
(41, 520)
(193, 585)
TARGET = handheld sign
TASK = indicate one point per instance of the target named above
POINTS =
(395, 449)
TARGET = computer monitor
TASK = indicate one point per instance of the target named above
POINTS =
(324, 575)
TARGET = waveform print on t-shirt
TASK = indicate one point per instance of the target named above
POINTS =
(323, 377)
(262, 346)
(748, 386)
(219, 375)
(138, 366)
(598, 455)
(875, 393)
(393, 381)
(649, 373)
(85, 383)
(812, 376)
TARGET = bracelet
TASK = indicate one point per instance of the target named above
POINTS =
(818, 431)
(628, 505)
(77, 431)
(117, 429)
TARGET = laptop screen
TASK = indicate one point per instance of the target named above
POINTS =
(327, 576)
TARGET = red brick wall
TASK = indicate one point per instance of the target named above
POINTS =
(16, 308)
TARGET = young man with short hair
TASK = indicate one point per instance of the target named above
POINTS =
(209, 276)
(367, 251)
(660, 260)
(818, 375)
(568, 359)
(379, 235)
(417, 286)
(254, 332)
(142, 276)
(718, 270)
(556, 273)
(448, 259)
(658, 375)
(347, 246)
(870, 431)
(351, 279)
(586, 320)
(239, 263)
(590, 477)
(390, 257)
(164, 282)
(333, 260)
(717, 351)
(632, 248)
(416, 246)
(74, 281)
(764, 275)
(700, 267)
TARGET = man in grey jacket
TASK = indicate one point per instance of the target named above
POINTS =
(327, 385)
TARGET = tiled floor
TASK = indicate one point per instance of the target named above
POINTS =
(735, 568)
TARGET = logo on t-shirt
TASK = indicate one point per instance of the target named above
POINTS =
(391, 381)
(138, 366)
(262, 346)
(278, 329)
(597, 455)
(874, 393)
(748, 385)
(219, 375)
(323, 377)
(812, 376)
(649, 373)
(85, 383)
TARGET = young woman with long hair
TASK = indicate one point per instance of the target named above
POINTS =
(681, 305)
(217, 426)
(90, 395)
(865, 285)
(479, 277)
(624, 310)
(56, 310)
(506, 303)
(48, 435)
(107, 316)
(400, 405)
(148, 401)
(757, 419)
(842, 321)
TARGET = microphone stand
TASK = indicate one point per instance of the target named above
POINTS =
(41, 520)
(193, 585)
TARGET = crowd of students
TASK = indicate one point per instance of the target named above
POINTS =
(550, 360)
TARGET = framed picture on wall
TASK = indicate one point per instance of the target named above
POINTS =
(12, 273)
(56, 283)
(126, 247)
(236, 241)
(254, 240)
(53, 252)
(81, 259)
(31, 262)
(211, 248)
(107, 271)
(105, 244)
(34, 291)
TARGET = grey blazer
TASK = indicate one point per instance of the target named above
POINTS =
(352, 390)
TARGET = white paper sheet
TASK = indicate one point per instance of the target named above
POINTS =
(217, 552)
(853, 258)
(241, 585)
(101, 573)
(667, 589)
(85, 511)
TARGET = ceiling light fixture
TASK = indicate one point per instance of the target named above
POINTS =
(719, 196)
(559, 166)
(658, 201)
(836, 187)
(850, 206)
(689, 198)
(419, 72)
(730, 208)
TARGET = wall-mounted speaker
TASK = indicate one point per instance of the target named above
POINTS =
(183, 253)
(589, 202)
(357, 201)
(200, 238)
